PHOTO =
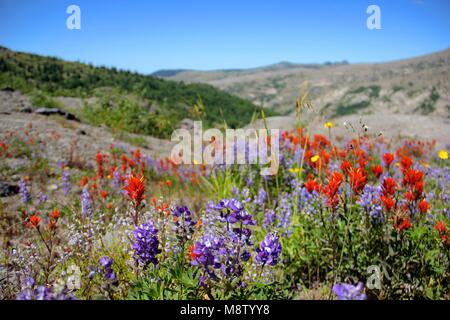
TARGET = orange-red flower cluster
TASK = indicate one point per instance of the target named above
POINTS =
(388, 158)
(312, 185)
(54, 216)
(135, 189)
(413, 180)
(377, 170)
(441, 228)
(388, 186)
(34, 221)
(331, 190)
(357, 179)
(403, 224)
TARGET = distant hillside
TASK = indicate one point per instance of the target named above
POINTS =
(149, 104)
(168, 72)
(412, 86)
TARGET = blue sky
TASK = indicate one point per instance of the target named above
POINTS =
(149, 35)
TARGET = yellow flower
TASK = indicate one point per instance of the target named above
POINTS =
(328, 125)
(295, 170)
(443, 154)
(315, 158)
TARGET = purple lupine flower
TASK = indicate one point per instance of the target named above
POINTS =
(368, 202)
(238, 213)
(106, 263)
(86, 205)
(246, 195)
(307, 202)
(24, 192)
(116, 181)
(206, 253)
(150, 163)
(235, 205)
(29, 282)
(65, 179)
(269, 250)
(345, 291)
(285, 214)
(146, 245)
(222, 257)
(269, 218)
(42, 198)
(26, 294)
(184, 225)
(262, 197)
(232, 211)
(41, 292)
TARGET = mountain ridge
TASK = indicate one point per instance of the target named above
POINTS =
(414, 85)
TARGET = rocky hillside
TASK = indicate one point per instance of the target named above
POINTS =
(120, 99)
(412, 86)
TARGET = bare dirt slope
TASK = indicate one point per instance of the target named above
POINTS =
(412, 86)
(60, 134)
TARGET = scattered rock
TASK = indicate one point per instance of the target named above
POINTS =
(7, 190)
(26, 109)
(52, 111)
(8, 89)
(81, 132)
(52, 187)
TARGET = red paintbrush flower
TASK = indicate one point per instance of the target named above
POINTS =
(424, 206)
(99, 158)
(103, 194)
(404, 224)
(332, 188)
(405, 163)
(411, 177)
(357, 179)
(346, 166)
(387, 159)
(312, 185)
(410, 196)
(418, 188)
(135, 189)
(388, 202)
(440, 227)
(84, 181)
(34, 221)
(388, 186)
(137, 155)
(377, 170)
(55, 214)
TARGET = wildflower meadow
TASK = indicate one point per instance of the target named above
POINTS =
(355, 217)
